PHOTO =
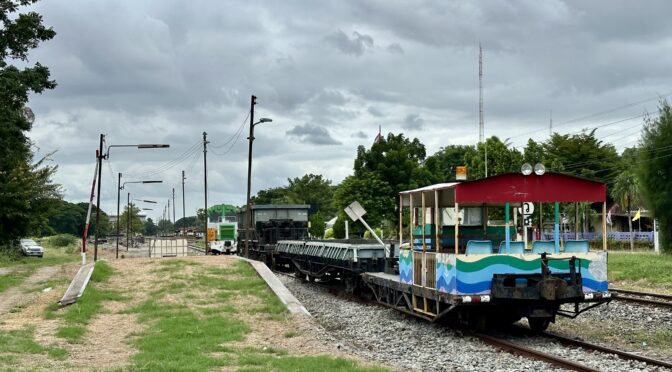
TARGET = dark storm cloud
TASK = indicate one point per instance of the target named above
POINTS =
(355, 46)
(313, 134)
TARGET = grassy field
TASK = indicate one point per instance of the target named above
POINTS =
(20, 267)
(191, 314)
(641, 270)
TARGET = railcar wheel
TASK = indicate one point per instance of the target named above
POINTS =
(539, 324)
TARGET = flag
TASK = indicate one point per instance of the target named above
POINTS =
(637, 215)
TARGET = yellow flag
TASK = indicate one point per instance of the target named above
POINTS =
(637, 215)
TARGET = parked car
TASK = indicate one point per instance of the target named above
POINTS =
(30, 248)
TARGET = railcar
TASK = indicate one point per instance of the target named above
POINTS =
(457, 264)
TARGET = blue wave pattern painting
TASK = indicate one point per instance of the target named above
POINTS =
(406, 266)
(473, 274)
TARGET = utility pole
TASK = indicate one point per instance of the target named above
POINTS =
(100, 168)
(128, 220)
(183, 216)
(205, 182)
(248, 206)
(118, 215)
(169, 211)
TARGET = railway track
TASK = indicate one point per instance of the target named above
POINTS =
(645, 298)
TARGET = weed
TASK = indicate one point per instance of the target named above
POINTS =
(290, 334)
(22, 342)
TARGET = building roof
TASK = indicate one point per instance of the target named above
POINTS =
(512, 188)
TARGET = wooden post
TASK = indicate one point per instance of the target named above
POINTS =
(576, 220)
(541, 223)
(457, 224)
(401, 218)
(411, 218)
(437, 222)
(507, 232)
(424, 215)
(604, 226)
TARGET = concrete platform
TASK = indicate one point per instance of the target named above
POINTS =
(78, 284)
(287, 298)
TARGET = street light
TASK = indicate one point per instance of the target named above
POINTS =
(248, 211)
(120, 187)
(100, 158)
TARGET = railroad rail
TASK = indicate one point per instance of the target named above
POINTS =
(645, 298)
(527, 352)
(621, 354)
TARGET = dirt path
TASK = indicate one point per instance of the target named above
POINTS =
(17, 296)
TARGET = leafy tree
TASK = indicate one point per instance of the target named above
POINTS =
(317, 225)
(136, 224)
(582, 155)
(149, 227)
(165, 227)
(501, 159)
(626, 190)
(68, 218)
(442, 165)
(275, 195)
(372, 193)
(27, 193)
(311, 189)
(655, 170)
(189, 221)
(105, 226)
(534, 153)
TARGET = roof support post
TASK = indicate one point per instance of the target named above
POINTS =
(437, 222)
(411, 220)
(424, 223)
(457, 226)
(507, 232)
(576, 220)
(556, 228)
(401, 218)
(604, 226)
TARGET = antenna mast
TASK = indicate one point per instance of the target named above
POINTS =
(481, 128)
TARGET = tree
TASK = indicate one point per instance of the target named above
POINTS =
(275, 195)
(655, 170)
(317, 225)
(149, 228)
(136, 224)
(105, 227)
(68, 218)
(311, 189)
(626, 190)
(501, 159)
(442, 165)
(27, 194)
(372, 193)
(165, 226)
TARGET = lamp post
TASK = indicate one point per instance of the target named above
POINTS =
(120, 187)
(248, 211)
(100, 164)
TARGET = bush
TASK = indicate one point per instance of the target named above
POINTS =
(62, 240)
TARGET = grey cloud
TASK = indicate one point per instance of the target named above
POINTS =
(374, 111)
(313, 134)
(359, 134)
(395, 48)
(355, 46)
(413, 122)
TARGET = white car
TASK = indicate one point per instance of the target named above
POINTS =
(30, 248)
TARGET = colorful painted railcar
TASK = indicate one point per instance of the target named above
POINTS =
(477, 272)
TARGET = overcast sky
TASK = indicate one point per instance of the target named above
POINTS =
(329, 73)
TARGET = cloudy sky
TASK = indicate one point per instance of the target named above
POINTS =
(329, 73)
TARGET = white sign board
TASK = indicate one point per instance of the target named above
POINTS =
(527, 208)
(355, 211)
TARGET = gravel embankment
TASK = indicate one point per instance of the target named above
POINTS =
(387, 336)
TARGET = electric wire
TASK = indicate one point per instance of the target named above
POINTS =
(170, 164)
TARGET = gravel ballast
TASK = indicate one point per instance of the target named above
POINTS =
(384, 335)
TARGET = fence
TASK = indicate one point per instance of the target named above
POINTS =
(620, 236)
(168, 247)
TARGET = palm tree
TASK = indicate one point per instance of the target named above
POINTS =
(626, 190)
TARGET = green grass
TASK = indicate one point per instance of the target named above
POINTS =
(22, 341)
(652, 269)
(52, 256)
(178, 337)
(13, 279)
(78, 315)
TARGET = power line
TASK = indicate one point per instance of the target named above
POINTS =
(170, 164)
(240, 128)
